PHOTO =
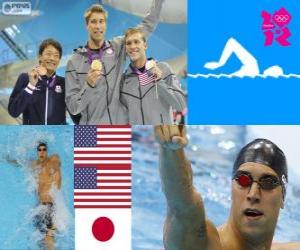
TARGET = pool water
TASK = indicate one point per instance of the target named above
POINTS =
(211, 150)
(18, 200)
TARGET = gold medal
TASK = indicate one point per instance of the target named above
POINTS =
(96, 65)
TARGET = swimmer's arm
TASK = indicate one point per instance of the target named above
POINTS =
(148, 24)
(151, 20)
(12, 161)
(186, 226)
(15, 163)
(286, 246)
(57, 172)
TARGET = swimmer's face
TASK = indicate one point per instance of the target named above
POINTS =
(96, 26)
(42, 153)
(136, 47)
(254, 210)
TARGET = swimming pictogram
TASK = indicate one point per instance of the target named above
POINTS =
(249, 66)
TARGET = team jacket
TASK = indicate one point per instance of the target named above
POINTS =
(154, 102)
(39, 104)
(101, 104)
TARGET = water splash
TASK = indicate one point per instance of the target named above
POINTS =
(62, 216)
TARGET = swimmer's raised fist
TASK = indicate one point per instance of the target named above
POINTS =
(171, 136)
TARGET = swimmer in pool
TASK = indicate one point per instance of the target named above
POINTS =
(48, 174)
(259, 179)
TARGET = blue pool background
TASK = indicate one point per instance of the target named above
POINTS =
(211, 150)
(17, 197)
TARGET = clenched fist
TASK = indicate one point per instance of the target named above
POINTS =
(35, 73)
(171, 136)
(92, 77)
(156, 72)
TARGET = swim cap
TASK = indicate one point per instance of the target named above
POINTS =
(41, 143)
(267, 153)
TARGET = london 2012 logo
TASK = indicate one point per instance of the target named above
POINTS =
(16, 8)
(275, 27)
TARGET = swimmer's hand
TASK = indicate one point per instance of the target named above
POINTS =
(92, 77)
(156, 72)
(212, 65)
(171, 136)
(14, 162)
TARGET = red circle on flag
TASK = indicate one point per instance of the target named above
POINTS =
(103, 229)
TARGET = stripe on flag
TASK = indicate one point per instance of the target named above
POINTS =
(146, 78)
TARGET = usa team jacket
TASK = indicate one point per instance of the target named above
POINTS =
(101, 104)
(39, 104)
(152, 103)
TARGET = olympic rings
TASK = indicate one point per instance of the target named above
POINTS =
(281, 18)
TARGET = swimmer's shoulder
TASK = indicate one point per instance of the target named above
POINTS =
(286, 246)
(214, 241)
(226, 242)
(54, 157)
(54, 160)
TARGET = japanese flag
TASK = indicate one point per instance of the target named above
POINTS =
(102, 229)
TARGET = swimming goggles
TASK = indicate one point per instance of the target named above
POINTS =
(266, 182)
(42, 149)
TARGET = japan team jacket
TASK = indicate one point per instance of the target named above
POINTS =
(40, 104)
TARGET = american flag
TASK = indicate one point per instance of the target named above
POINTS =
(102, 166)
(146, 77)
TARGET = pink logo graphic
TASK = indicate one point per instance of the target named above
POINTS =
(275, 27)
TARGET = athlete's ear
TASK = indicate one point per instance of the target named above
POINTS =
(282, 202)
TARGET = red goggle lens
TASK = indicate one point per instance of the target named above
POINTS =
(244, 180)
